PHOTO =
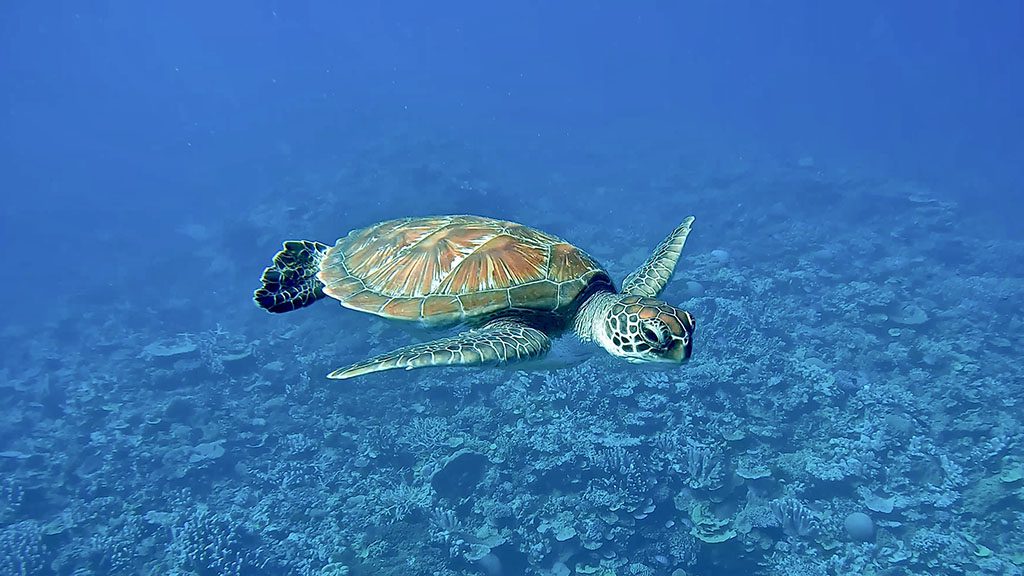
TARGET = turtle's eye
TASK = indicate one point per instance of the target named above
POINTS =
(653, 334)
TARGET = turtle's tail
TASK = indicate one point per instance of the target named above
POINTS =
(290, 282)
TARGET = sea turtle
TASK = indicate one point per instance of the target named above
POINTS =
(525, 296)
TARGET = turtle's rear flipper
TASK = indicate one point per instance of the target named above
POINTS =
(653, 275)
(498, 343)
(291, 282)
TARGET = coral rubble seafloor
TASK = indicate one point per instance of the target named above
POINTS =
(853, 407)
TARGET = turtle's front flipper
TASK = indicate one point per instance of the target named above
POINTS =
(497, 343)
(652, 277)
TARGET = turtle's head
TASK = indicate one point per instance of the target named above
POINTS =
(643, 330)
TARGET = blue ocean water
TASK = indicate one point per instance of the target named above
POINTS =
(853, 404)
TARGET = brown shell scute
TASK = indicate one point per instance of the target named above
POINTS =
(449, 269)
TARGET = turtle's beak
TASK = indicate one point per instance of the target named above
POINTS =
(682, 345)
(681, 350)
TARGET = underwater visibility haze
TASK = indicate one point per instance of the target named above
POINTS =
(826, 379)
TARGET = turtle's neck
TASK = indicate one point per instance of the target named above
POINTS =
(592, 313)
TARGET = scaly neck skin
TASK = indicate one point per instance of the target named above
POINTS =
(591, 315)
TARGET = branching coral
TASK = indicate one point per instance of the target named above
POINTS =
(794, 518)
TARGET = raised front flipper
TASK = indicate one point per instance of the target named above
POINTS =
(652, 277)
(496, 344)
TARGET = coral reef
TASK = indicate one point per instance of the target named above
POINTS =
(853, 406)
